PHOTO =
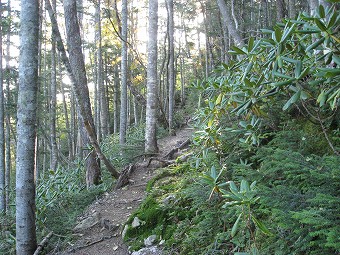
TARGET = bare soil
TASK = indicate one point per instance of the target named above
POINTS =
(114, 208)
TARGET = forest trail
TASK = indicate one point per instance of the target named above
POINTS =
(110, 212)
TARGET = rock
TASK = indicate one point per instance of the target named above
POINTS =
(88, 222)
(153, 250)
(150, 240)
(169, 199)
(136, 222)
(105, 223)
(124, 231)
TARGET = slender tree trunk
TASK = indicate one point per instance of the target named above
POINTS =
(292, 9)
(135, 111)
(101, 88)
(313, 6)
(281, 10)
(151, 106)
(115, 100)
(230, 23)
(2, 131)
(124, 73)
(171, 65)
(53, 101)
(76, 66)
(26, 128)
(67, 122)
(8, 118)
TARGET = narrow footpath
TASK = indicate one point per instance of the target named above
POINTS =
(99, 228)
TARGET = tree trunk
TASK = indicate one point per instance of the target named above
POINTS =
(76, 70)
(230, 23)
(8, 118)
(82, 93)
(101, 88)
(53, 102)
(151, 106)
(26, 128)
(292, 9)
(281, 10)
(171, 65)
(313, 6)
(124, 73)
(2, 131)
(115, 100)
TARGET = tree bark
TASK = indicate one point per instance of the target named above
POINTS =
(230, 23)
(2, 131)
(101, 88)
(313, 6)
(53, 101)
(292, 9)
(171, 65)
(281, 10)
(77, 74)
(8, 118)
(81, 90)
(115, 100)
(26, 127)
(124, 73)
(151, 106)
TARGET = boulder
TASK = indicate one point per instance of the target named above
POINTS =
(88, 222)
(148, 242)
(153, 250)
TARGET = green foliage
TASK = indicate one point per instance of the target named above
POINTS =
(122, 155)
(295, 65)
(7, 233)
(159, 211)
(279, 98)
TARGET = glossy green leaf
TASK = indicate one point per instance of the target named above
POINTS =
(283, 83)
(333, 19)
(233, 186)
(244, 187)
(322, 98)
(315, 44)
(252, 185)
(287, 33)
(251, 44)
(281, 75)
(321, 11)
(266, 31)
(235, 226)
(219, 99)
(278, 34)
(304, 73)
(247, 70)
(320, 25)
(261, 226)
(298, 68)
(292, 100)
(313, 31)
(238, 50)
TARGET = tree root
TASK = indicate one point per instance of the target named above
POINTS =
(124, 176)
(43, 243)
(92, 243)
(165, 160)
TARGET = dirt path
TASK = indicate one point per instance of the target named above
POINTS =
(113, 209)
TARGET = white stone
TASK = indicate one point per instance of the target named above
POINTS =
(154, 250)
(136, 222)
(150, 240)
